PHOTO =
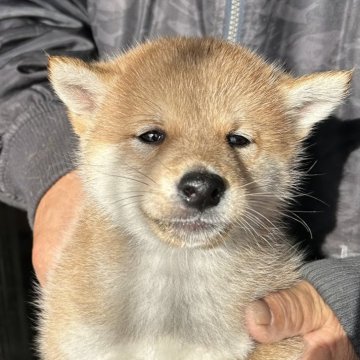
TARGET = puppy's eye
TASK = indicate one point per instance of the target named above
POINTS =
(152, 137)
(235, 140)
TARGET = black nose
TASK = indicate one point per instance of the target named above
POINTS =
(201, 190)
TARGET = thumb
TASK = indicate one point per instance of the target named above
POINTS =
(287, 313)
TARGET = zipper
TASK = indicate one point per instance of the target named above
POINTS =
(234, 11)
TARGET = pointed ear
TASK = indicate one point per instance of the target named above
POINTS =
(79, 85)
(314, 97)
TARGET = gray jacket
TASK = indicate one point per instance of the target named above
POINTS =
(36, 142)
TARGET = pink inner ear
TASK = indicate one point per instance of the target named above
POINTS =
(83, 99)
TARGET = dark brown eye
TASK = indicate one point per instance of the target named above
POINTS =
(236, 140)
(152, 137)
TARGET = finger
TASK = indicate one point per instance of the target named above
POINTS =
(287, 313)
(328, 343)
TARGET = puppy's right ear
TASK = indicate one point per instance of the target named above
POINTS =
(80, 86)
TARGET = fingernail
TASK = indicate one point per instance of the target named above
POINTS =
(261, 312)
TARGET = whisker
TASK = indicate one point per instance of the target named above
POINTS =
(259, 236)
(312, 166)
(127, 178)
(123, 176)
(141, 173)
(246, 185)
(138, 171)
(299, 220)
(130, 203)
(312, 197)
(124, 199)
(265, 194)
(139, 191)
(263, 216)
(248, 228)
(254, 219)
(293, 196)
(284, 213)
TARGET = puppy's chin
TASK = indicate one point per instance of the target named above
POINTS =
(190, 233)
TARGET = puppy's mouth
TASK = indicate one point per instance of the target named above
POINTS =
(192, 225)
(191, 232)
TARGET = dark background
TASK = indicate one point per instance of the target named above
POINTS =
(16, 282)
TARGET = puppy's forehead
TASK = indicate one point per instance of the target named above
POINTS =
(202, 65)
(195, 81)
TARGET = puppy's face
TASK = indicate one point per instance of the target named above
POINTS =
(193, 141)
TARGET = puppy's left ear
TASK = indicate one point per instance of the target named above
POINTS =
(314, 97)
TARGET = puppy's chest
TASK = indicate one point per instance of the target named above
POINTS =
(183, 296)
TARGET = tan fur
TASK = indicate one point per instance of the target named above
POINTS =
(135, 280)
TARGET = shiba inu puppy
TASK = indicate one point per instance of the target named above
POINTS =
(188, 153)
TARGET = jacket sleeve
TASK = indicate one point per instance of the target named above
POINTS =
(338, 282)
(36, 141)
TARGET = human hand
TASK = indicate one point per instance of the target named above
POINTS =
(300, 311)
(54, 216)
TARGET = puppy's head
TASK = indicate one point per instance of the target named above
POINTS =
(192, 141)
